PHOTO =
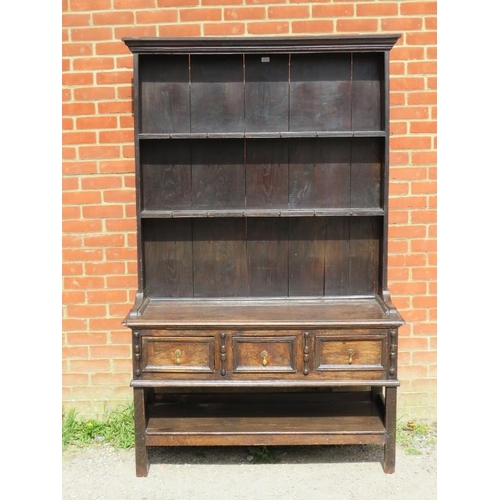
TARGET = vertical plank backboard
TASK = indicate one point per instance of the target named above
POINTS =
(219, 257)
(266, 93)
(337, 256)
(218, 174)
(366, 158)
(306, 256)
(319, 173)
(364, 252)
(267, 173)
(267, 256)
(168, 257)
(164, 93)
(367, 88)
(166, 174)
(320, 92)
(217, 99)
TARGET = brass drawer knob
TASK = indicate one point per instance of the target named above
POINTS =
(264, 358)
(177, 357)
(350, 352)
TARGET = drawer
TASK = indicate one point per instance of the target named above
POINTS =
(275, 354)
(178, 354)
(349, 353)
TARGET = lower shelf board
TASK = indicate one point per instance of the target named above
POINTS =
(248, 420)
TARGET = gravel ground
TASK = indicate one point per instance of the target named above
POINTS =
(101, 472)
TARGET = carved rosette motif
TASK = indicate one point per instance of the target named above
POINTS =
(393, 352)
(137, 352)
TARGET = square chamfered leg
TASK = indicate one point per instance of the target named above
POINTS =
(141, 451)
(390, 429)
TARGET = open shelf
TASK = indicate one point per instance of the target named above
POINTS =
(266, 419)
(265, 135)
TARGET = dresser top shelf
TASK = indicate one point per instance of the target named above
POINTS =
(261, 313)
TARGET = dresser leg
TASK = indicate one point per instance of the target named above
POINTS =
(141, 451)
(390, 429)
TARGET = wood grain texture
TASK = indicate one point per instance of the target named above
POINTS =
(320, 92)
(217, 99)
(166, 174)
(366, 168)
(219, 255)
(218, 173)
(168, 257)
(164, 93)
(319, 174)
(367, 88)
(266, 173)
(266, 92)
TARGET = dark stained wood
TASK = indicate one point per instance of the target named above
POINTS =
(267, 257)
(166, 175)
(219, 254)
(218, 174)
(306, 256)
(319, 173)
(262, 315)
(164, 93)
(266, 92)
(217, 103)
(266, 173)
(367, 78)
(366, 166)
(337, 257)
(364, 249)
(320, 92)
(168, 257)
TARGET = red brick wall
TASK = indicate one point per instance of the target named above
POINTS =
(99, 245)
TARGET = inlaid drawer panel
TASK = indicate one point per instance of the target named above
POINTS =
(264, 354)
(351, 352)
(178, 354)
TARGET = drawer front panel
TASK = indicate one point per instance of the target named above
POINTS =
(349, 353)
(264, 354)
(178, 354)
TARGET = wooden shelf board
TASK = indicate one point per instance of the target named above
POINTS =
(266, 312)
(264, 135)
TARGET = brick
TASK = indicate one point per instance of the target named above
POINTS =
(357, 25)
(119, 310)
(77, 49)
(425, 273)
(407, 260)
(121, 337)
(377, 9)
(408, 202)
(82, 254)
(75, 352)
(411, 343)
(81, 226)
(200, 14)
(125, 91)
(68, 153)
(89, 365)
(156, 16)
(99, 152)
(113, 77)
(411, 231)
(221, 29)
(424, 157)
(107, 296)
(113, 254)
(314, 26)
(83, 283)
(180, 30)
(288, 12)
(74, 379)
(80, 108)
(110, 351)
(258, 2)
(121, 225)
(431, 23)
(81, 197)
(112, 107)
(91, 34)
(244, 13)
(428, 187)
(410, 142)
(102, 211)
(119, 136)
(136, 31)
(72, 269)
(418, 8)
(423, 216)
(121, 282)
(80, 5)
(93, 63)
(70, 183)
(422, 38)
(105, 268)
(66, 94)
(175, 3)
(101, 182)
(413, 288)
(116, 196)
(426, 245)
(128, 151)
(111, 379)
(105, 324)
(79, 138)
(112, 18)
(117, 166)
(113, 48)
(93, 93)
(73, 297)
(86, 311)
(71, 241)
(69, 20)
(422, 68)
(401, 24)
(77, 78)
(79, 167)
(407, 53)
(134, 4)
(399, 158)
(410, 113)
(423, 127)
(105, 240)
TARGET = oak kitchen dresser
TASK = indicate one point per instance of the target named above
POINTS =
(262, 315)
